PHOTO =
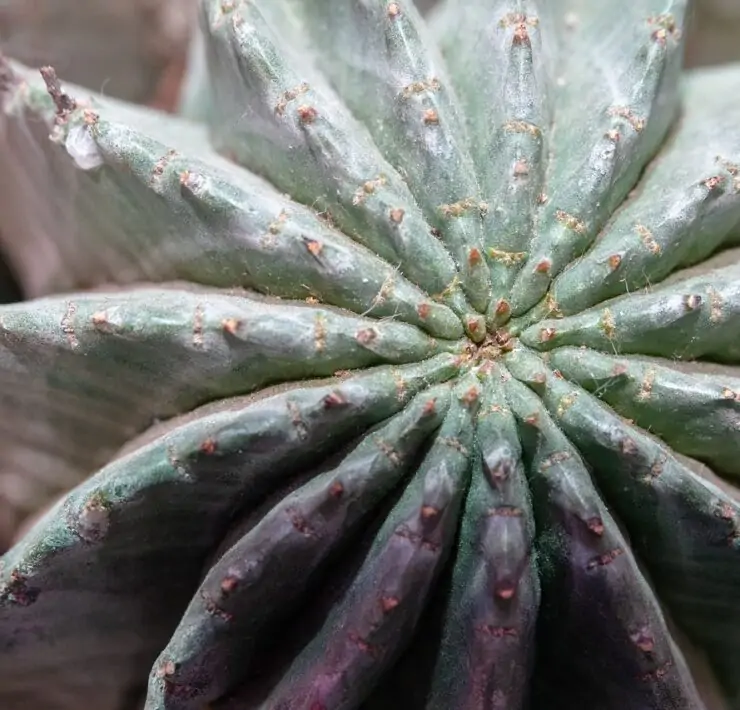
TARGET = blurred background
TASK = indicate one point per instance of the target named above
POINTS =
(138, 50)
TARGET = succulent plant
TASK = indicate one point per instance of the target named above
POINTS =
(406, 380)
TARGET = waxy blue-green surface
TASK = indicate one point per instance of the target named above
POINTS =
(409, 378)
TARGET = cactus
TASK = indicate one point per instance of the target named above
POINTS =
(407, 378)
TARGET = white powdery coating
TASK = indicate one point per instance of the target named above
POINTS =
(82, 149)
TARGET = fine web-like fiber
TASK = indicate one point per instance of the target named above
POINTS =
(406, 379)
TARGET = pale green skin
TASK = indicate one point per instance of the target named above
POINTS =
(328, 496)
